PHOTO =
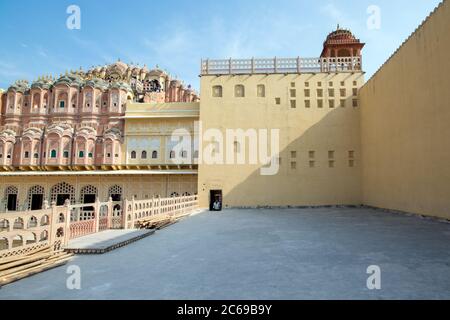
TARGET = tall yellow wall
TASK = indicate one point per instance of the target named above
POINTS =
(405, 124)
(301, 129)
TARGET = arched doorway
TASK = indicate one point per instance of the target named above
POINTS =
(61, 192)
(88, 194)
(35, 198)
(11, 196)
(115, 192)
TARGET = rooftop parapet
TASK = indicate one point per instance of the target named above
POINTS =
(280, 65)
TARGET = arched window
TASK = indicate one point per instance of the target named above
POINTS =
(88, 194)
(184, 154)
(261, 90)
(36, 100)
(11, 196)
(27, 155)
(217, 91)
(239, 91)
(62, 191)
(88, 98)
(133, 154)
(172, 154)
(155, 154)
(66, 154)
(45, 100)
(35, 197)
(144, 155)
(53, 153)
(36, 155)
(74, 100)
(115, 192)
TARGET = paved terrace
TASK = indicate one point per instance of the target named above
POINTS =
(265, 254)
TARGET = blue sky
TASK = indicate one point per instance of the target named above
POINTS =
(176, 34)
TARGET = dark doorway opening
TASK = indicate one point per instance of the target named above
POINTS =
(37, 201)
(116, 197)
(12, 202)
(61, 199)
(89, 198)
(215, 200)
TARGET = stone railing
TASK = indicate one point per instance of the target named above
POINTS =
(280, 65)
(90, 218)
(27, 231)
(140, 210)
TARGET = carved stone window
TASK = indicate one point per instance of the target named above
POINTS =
(32, 193)
(62, 191)
(115, 192)
(88, 190)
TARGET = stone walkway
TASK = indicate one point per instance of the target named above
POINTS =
(106, 241)
(265, 254)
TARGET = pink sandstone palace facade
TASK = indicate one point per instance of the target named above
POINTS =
(75, 124)
(75, 120)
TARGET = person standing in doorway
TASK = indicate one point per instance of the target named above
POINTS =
(217, 206)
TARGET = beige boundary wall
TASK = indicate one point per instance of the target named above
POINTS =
(405, 124)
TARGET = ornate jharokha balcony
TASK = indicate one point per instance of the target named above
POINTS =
(280, 65)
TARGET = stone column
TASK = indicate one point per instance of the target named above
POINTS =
(97, 214)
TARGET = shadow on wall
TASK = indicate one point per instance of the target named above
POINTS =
(325, 169)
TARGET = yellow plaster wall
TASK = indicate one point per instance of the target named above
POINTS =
(301, 129)
(405, 121)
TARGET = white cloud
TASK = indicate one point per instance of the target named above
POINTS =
(40, 51)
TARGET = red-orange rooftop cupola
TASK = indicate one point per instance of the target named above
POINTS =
(341, 43)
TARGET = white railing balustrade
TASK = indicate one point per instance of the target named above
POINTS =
(27, 231)
(137, 211)
(280, 65)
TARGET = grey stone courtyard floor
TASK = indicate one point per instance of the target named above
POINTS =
(265, 254)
